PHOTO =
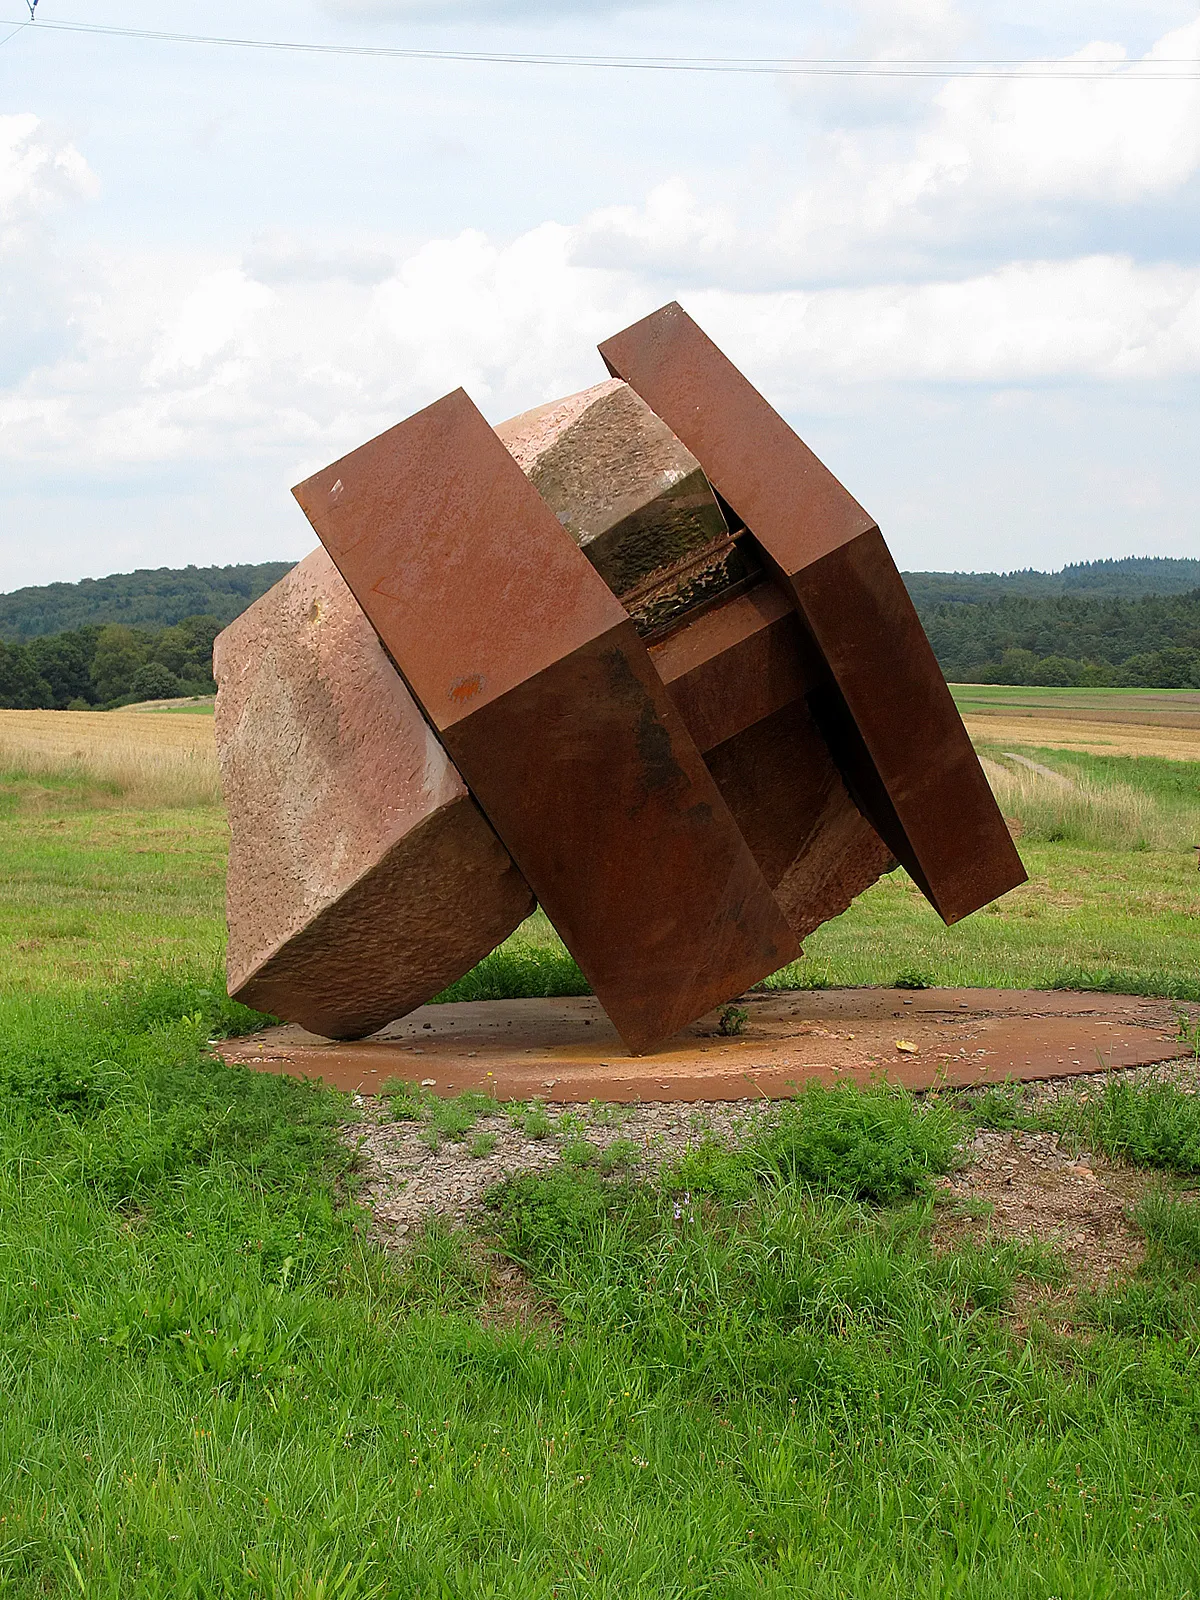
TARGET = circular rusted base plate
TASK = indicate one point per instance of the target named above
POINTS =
(567, 1050)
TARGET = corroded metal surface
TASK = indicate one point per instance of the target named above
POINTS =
(566, 1050)
(479, 721)
(740, 675)
(886, 712)
(535, 680)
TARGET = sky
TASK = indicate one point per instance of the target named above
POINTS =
(976, 298)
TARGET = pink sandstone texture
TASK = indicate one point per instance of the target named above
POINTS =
(630, 495)
(363, 878)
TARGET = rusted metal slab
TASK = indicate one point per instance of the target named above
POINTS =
(738, 662)
(568, 1051)
(739, 674)
(535, 680)
(887, 714)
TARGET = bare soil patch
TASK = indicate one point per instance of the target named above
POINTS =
(1027, 1186)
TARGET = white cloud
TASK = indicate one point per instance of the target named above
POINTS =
(224, 363)
(1112, 139)
(216, 314)
(991, 160)
(1102, 318)
(36, 172)
(956, 256)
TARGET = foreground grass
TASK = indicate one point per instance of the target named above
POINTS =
(755, 1377)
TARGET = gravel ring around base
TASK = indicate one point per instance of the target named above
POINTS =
(406, 1183)
(1009, 1184)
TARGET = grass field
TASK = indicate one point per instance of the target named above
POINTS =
(111, 864)
(757, 1374)
(1147, 703)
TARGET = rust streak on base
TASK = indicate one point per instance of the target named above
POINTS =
(567, 1051)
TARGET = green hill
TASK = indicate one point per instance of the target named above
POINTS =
(1129, 578)
(1152, 642)
(140, 635)
(155, 597)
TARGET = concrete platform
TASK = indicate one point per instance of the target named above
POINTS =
(568, 1051)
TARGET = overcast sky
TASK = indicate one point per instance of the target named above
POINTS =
(978, 301)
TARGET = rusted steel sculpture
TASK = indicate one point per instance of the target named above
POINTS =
(636, 655)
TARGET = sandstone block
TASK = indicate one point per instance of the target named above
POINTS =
(635, 501)
(363, 878)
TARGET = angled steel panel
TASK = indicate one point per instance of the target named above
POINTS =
(537, 683)
(888, 716)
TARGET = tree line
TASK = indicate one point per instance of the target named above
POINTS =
(155, 597)
(1068, 639)
(1127, 578)
(108, 665)
(1082, 637)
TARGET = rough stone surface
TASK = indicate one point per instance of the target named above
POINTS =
(634, 500)
(362, 876)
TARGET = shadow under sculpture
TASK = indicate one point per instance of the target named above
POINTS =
(549, 661)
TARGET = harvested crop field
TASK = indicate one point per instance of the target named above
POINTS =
(1130, 722)
(1102, 738)
(145, 758)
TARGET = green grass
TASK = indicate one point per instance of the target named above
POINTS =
(212, 1385)
(752, 1375)
(873, 1144)
(1153, 1125)
(997, 697)
(102, 890)
(95, 891)
(1172, 1227)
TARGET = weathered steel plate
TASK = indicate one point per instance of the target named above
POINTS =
(887, 713)
(565, 1050)
(537, 683)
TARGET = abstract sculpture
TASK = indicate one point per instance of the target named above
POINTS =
(635, 655)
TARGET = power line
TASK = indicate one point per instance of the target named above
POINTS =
(1177, 70)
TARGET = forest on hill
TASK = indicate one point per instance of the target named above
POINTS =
(149, 598)
(1128, 578)
(1068, 639)
(1093, 624)
(81, 668)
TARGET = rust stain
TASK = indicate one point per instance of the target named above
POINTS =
(464, 689)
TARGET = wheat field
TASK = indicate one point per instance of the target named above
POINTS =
(139, 758)
(1095, 738)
